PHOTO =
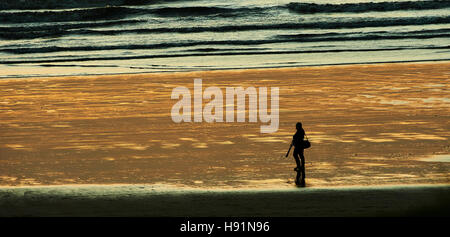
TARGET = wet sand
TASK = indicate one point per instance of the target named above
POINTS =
(153, 201)
(368, 124)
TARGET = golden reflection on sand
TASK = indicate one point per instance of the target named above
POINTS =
(414, 136)
(368, 124)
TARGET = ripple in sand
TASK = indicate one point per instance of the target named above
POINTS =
(61, 126)
(200, 145)
(267, 139)
(8, 178)
(225, 143)
(17, 147)
(324, 138)
(435, 99)
(437, 158)
(393, 102)
(188, 139)
(413, 136)
(169, 145)
(367, 139)
(132, 146)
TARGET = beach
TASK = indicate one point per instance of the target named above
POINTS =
(368, 125)
(107, 146)
(188, 108)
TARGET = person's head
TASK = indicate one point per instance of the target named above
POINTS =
(298, 126)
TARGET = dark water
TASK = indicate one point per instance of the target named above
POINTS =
(76, 37)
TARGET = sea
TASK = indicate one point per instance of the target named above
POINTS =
(91, 37)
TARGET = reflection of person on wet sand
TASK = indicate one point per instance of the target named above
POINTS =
(299, 157)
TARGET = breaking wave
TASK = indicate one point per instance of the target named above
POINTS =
(22, 32)
(309, 8)
(67, 4)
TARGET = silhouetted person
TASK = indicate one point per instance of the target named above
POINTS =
(299, 157)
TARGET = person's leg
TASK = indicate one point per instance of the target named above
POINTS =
(296, 157)
(302, 157)
(298, 168)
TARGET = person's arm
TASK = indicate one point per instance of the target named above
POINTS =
(290, 147)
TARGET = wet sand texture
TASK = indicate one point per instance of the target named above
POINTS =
(368, 125)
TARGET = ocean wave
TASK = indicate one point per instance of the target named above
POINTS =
(333, 23)
(52, 30)
(442, 32)
(206, 11)
(112, 58)
(294, 6)
(119, 12)
(113, 12)
(366, 36)
(88, 14)
(326, 37)
(310, 8)
(22, 32)
(67, 4)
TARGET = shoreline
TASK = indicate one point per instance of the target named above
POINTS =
(174, 187)
(205, 70)
(132, 201)
(185, 188)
